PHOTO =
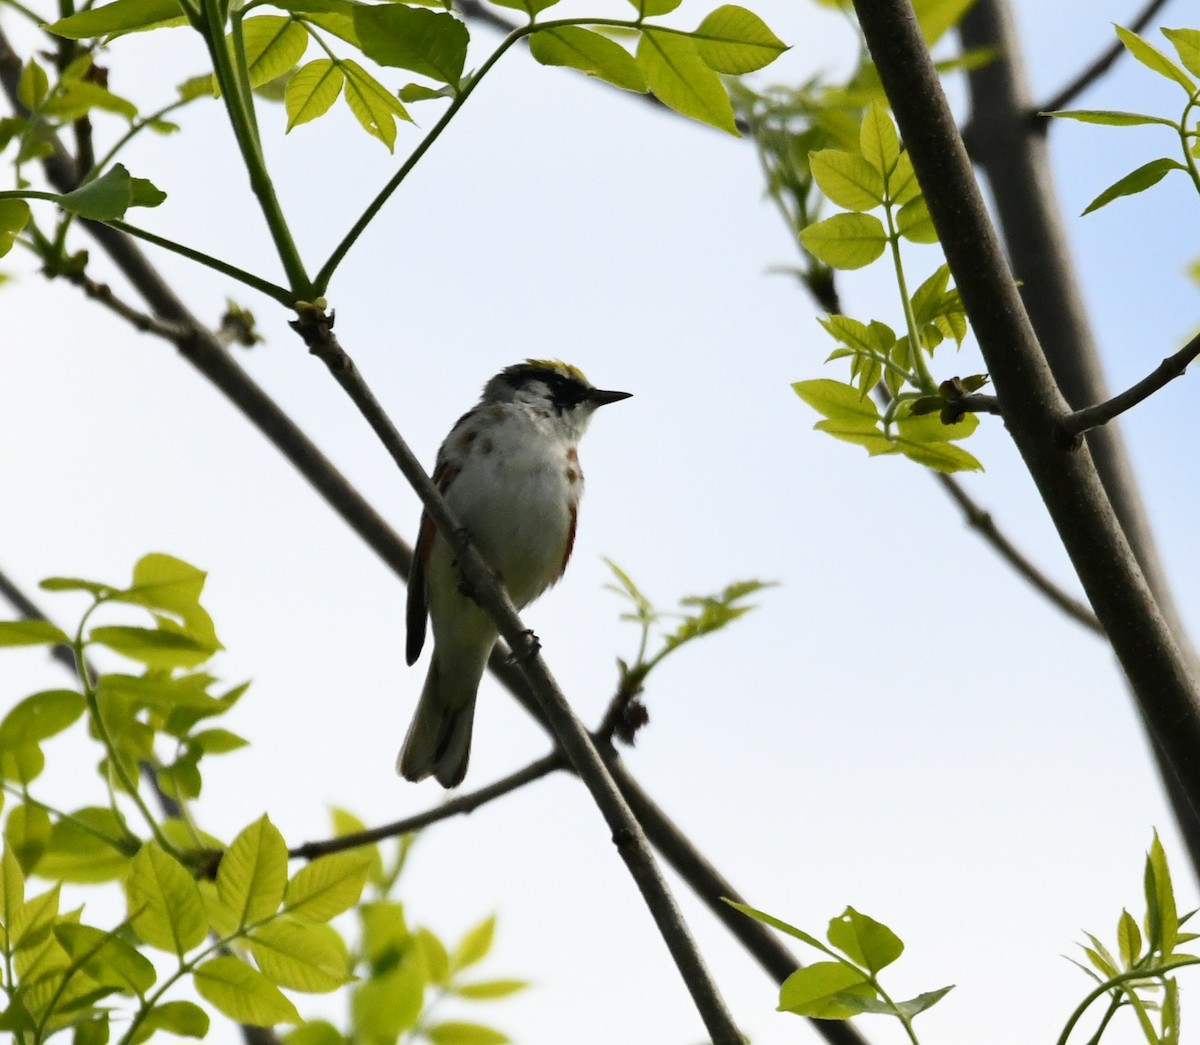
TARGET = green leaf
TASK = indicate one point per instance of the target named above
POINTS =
(75, 584)
(878, 141)
(76, 854)
(903, 185)
(531, 8)
(435, 960)
(825, 991)
(33, 86)
(457, 1033)
(107, 959)
(1110, 117)
(184, 1018)
(243, 994)
(154, 647)
(475, 944)
(733, 40)
(164, 903)
(845, 241)
(1187, 46)
(14, 216)
(915, 1006)
(914, 223)
(386, 1006)
(419, 92)
(776, 923)
(300, 957)
(23, 764)
(123, 16)
(346, 823)
(252, 875)
(315, 1032)
(1129, 940)
(650, 8)
(839, 402)
(108, 197)
(218, 741)
(74, 99)
(12, 895)
(26, 833)
(311, 91)
(1152, 58)
(589, 52)
(273, 44)
(486, 990)
(847, 179)
(40, 716)
(941, 457)
(385, 934)
(328, 886)
(935, 17)
(432, 43)
(372, 104)
(30, 632)
(1140, 180)
(1162, 919)
(866, 942)
(680, 79)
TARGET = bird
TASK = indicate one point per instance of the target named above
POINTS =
(509, 471)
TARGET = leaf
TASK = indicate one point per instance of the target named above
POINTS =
(183, 1018)
(76, 98)
(866, 942)
(108, 960)
(776, 923)
(680, 79)
(33, 86)
(486, 990)
(273, 45)
(75, 584)
(315, 1032)
(14, 216)
(434, 958)
(941, 457)
(78, 852)
(914, 223)
(26, 833)
(218, 741)
(733, 40)
(123, 16)
(328, 886)
(1140, 180)
(475, 944)
(311, 91)
(589, 52)
(825, 991)
(878, 141)
(390, 1004)
(164, 903)
(243, 994)
(12, 895)
(40, 716)
(531, 8)
(458, 1033)
(154, 647)
(1110, 117)
(372, 104)
(30, 632)
(845, 241)
(1129, 940)
(650, 8)
(252, 875)
(108, 197)
(915, 1006)
(839, 402)
(432, 43)
(1152, 58)
(1187, 46)
(847, 179)
(300, 957)
(935, 17)
(1162, 919)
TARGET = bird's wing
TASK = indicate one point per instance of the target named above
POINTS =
(418, 598)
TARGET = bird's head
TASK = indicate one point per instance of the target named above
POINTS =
(550, 385)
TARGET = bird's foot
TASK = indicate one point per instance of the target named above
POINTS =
(533, 646)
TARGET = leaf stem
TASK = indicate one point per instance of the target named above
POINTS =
(1117, 981)
(925, 378)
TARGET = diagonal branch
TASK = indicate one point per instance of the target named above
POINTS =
(1096, 69)
(1170, 368)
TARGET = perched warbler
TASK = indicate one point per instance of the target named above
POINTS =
(509, 470)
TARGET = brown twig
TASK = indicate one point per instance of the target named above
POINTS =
(1075, 424)
(1096, 69)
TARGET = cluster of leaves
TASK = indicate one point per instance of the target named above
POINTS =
(1138, 977)
(228, 920)
(846, 985)
(1186, 75)
(699, 615)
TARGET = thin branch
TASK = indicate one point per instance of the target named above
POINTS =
(1074, 425)
(102, 293)
(575, 741)
(981, 521)
(459, 805)
(1098, 68)
(29, 610)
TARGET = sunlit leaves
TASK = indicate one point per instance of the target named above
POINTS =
(1151, 57)
(109, 196)
(312, 90)
(14, 216)
(846, 241)
(107, 959)
(252, 876)
(1139, 180)
(40, 716)
(432, 43)
(1187, 46)
(680, 79)
(30, 632)
(531, 8)
(589, 52)
(329, 885)
(243, 993)
(121, 16)
(372, 104)
(164, 902)
(735, 41)
(825, 991)
(847, 179)
(300, 957)
(273, 44)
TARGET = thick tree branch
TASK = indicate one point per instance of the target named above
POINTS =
(1015, 158)
(1170, 368)
(1159, 671)
(1098, 68)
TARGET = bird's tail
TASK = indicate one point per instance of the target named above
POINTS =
(439, 740)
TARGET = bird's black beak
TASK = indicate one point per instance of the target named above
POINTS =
(600, 397)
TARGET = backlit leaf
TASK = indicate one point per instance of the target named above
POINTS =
(183, 1018)
(847, 179)
(40, 716)
(30, 632)
(164, 902)
(300, 957)
(154, 647)
(108, 197)
(846, 241)
(252, 875)
(328, 886)
(311, 91)
(1152, 58)
(475, 944)
(589, 52)
(243, 994)
(107, 959)
(1187, 46)
(735, 41)
(681, 80)
(459, 1033)
(878, 140)
(824, 990)
(373, 105)
(1110, 117)
(432, 43)
(122, 16)
(14, 216)
(1136, 181)
(866, 942)
(273, 45)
